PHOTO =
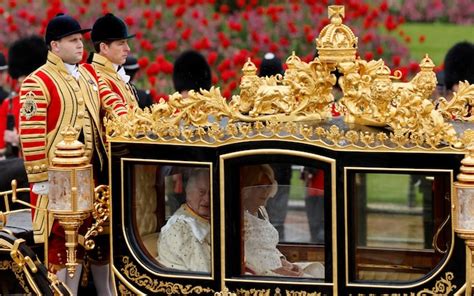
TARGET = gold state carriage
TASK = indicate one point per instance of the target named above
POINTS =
(375, 239)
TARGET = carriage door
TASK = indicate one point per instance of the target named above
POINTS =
(277, 208)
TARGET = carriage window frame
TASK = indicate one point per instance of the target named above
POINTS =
(231, 162)
(350, 245)
(131, 234)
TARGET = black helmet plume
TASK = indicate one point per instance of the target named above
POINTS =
(191, 72)
(26, 55)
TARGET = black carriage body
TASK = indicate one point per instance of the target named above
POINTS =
(346, 257)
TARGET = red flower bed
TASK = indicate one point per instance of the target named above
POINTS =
(226, 34)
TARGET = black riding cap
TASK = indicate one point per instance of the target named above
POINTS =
(61, 26)
(109, 28)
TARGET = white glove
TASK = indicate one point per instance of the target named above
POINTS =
(41, 188)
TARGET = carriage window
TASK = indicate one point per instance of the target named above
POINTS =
(398, 225)
(172, 215)
(283, 225)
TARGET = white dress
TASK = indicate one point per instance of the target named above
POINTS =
(261, 240)
(260, 247)
(184, 242)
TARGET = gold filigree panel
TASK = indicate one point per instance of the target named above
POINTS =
(18, 272)
(296, 293)
(331, 136)
(130, 271)
(225, 292)
(278, 292)
(253, 292)
(20, 276)
(302, 293)
(443, 286)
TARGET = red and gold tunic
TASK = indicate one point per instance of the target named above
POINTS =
(51, 99)
(108, 72)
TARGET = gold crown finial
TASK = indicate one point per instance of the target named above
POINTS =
(336, 42)
(467, 167)
(427, 63)
(69, 152)
(291, 60)
(69, 134)
(383, 72)
(336, 13)
(249, 68)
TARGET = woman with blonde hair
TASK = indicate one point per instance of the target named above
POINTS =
(262, 257)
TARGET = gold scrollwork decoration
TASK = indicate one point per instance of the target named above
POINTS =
(101, 214)
(295, 293)
(21, 266)
(225, 292)
(436, 236)
(130, 271)
(330, 136)
(459, 106)
(253, 292)
(20, 276)
(443, 286)
(301, 293)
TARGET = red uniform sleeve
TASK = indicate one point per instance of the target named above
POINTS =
(110, 101)
(33, 129)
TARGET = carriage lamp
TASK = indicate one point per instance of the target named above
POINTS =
(463, 211)
(71, 191)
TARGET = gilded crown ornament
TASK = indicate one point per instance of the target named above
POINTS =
(69, 152)
(249, 68)
(427, 64)
(292, 60)
(466, 174)
(336, 43)
(300, 104)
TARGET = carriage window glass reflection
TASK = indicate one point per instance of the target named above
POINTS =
(178, 199)
(398, 224)
(277, 222)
